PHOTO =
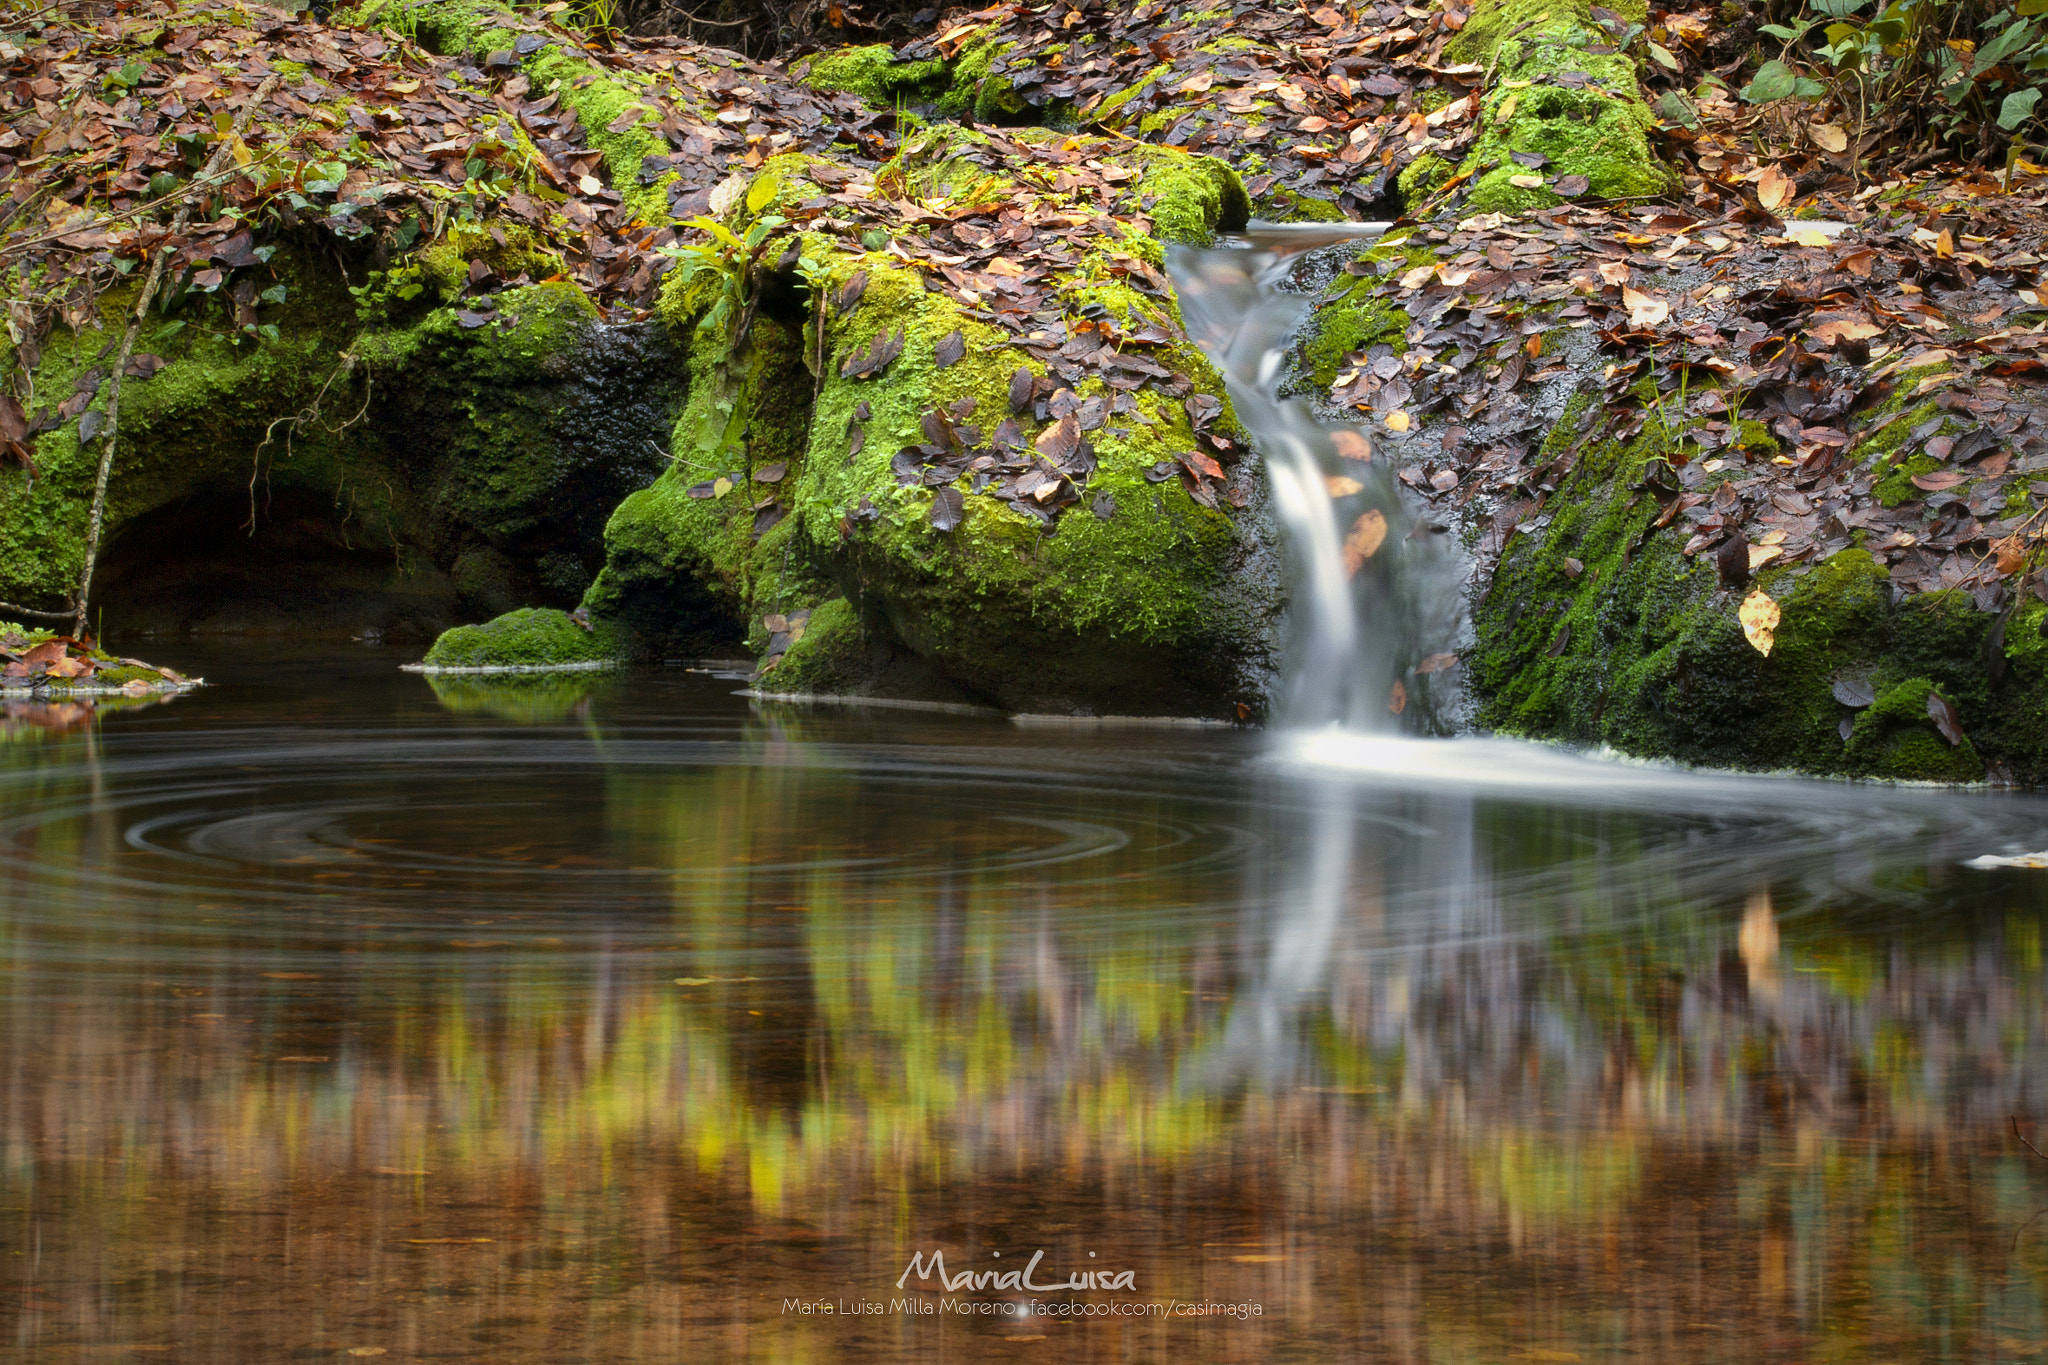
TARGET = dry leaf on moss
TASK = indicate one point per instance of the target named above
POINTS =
(1759, 617)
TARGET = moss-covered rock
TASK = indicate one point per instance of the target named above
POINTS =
(782, 495)
(1599, 630)
(530, 639)
(1557, 91)
(360, 470)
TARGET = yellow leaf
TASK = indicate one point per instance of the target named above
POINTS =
(1341, 487)
(1831, 137)
(1368, 533)
(1810, 237)
(721, 486)
(1945, 244)
(695, 980)
(589, 184)
(1760, 555)
(1526, 182)
(1759, 617)
(1397, 702)
(1419, 276)
(1505, 110)
(1397, 421)
(1614, 272)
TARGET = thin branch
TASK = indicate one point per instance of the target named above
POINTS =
(8, 608)
(2022, 1137)
(156, 272)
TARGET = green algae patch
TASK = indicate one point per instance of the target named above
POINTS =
(1552, 95)
(531, 639)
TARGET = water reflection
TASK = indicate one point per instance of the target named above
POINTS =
(599, 1037)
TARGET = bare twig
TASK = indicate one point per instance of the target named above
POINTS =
(2022, 1137)
(156, 272)
(9, 609)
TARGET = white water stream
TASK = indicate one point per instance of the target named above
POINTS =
(1360, 624)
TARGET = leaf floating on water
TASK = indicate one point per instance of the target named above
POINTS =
(950, 349)
(1397, 698)
(1946, 719)
(1341, 487)
(1759, 617)
(1991, 860)
(948, 509)
(1437, 663)
(1368, 533)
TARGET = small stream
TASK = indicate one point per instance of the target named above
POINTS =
(1376, 584)
(604, 1018)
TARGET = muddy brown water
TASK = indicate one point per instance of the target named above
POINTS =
(616, 1019)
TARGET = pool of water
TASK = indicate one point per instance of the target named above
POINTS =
(620, 1019)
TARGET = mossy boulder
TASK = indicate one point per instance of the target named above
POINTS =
(785, 494)
(1556, 97)
(530, 639)
(360, 470)
(1598, 630)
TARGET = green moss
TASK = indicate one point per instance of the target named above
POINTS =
(529, 638)
(1896, 737)
(832, 649)
(451, 28)
(874, 74)
(1597, 128)
(1196, 196)
(1351, 317)
(600, 100)
(1422, 177)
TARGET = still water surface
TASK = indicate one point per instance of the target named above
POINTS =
(596, 1020)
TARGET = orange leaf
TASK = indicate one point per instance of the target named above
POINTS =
(1368, 533)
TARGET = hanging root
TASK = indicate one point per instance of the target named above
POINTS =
(310, 413)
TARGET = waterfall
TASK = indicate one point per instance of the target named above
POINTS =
(1367, 611)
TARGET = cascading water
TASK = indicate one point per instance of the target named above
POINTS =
(1376, 586)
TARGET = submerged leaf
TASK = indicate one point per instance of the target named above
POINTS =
(1368, 533)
